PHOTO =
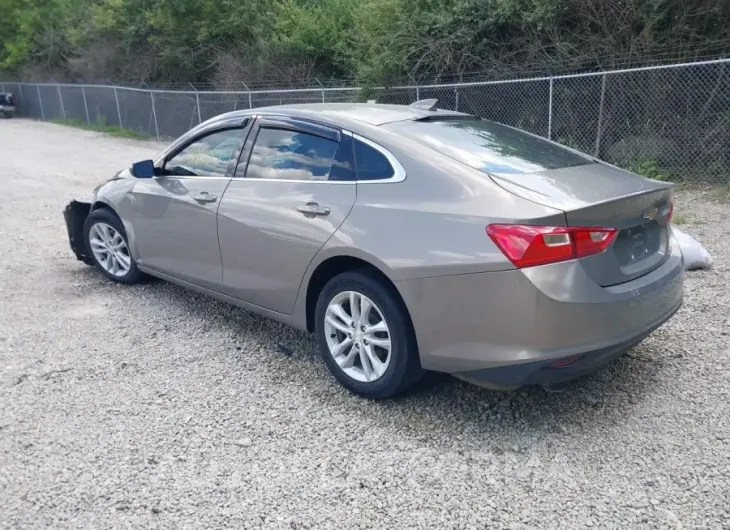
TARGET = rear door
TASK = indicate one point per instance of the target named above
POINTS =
(174, 214)
(293, 188)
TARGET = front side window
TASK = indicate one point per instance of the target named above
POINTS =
(207, 156)
(282, 154)
(371, 163)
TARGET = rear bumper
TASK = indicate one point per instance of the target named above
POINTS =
(7, 109)
(551, 371)
(501, 329)
(75, 215)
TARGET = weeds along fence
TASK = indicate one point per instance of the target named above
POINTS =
(668, 122)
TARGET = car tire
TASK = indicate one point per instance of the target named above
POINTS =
(103, 230)
(356, 369)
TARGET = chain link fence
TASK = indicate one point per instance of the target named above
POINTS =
(667, 122)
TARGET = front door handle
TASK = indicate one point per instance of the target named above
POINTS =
(204, 197)
(312, 208)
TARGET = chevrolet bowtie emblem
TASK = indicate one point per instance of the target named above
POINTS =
(650, 214)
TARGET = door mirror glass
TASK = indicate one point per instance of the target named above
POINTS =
(144, 169)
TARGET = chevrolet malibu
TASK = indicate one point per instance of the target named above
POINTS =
(407, 238)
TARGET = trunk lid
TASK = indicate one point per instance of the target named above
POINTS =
(599, 195)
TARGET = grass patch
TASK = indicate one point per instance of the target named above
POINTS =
(722, 193)
(679, 219)
(112, 130)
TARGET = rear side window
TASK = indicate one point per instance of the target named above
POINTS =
(282, 154)
(488, 146)
(371, 164)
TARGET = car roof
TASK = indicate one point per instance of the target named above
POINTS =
(370, 113)
(343, 115)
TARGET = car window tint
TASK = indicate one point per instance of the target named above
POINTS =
(371, 164)
(488, 146)
(206, 157)
(282, 154)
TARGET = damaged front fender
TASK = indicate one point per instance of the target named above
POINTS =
(75, 215)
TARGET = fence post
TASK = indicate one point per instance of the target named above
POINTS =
(550, 112)
(456, 99)
(197, 100)
(412, 83)
(119, 112)
(322, 87)
(60, 98)
(40, 101)
(154, 115)
(600, 117)
(22, 97)
(86, 106)
(249, 94)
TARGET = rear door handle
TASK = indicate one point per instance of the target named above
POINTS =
(312, 208)
(204, 197)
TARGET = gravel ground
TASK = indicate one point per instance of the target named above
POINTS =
(153, 407)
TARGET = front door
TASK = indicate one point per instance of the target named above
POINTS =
(282, 207)
(174, 214)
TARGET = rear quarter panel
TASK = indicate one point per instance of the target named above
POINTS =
(433, 223)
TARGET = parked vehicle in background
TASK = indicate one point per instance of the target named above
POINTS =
(406, 238)
(7, 105)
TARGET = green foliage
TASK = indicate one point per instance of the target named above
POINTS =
(366, 93)
(648, 168)
(376, 41)
(319, 31)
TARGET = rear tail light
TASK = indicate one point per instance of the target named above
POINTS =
(671, 212)
(527, 245)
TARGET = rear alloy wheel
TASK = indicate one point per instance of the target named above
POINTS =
(357, 336)
(106, 241)
(365, 336)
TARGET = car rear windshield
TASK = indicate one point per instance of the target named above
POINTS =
(489, 146)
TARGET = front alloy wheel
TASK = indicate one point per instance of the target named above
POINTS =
(110, 249)
(106, 241)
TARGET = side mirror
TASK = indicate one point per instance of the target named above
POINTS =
(144, 169)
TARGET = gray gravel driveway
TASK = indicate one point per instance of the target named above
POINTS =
(153, 407)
